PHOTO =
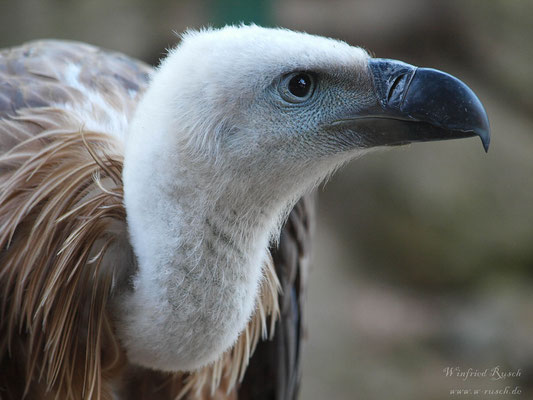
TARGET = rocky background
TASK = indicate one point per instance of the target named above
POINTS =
(424, 254)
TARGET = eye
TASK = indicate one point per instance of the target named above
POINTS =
(297, 87)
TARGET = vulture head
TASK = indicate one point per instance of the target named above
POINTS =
(236, 125)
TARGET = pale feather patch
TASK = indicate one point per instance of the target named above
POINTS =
(100, 113)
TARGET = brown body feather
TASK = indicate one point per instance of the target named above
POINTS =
(63, 240)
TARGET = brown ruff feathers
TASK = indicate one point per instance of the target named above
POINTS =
(61, 211)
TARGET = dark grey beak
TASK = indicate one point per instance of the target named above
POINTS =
(417, 105)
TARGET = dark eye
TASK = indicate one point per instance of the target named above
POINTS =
(297, 87)
(300, 85)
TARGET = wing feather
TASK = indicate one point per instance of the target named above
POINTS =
(100, 88)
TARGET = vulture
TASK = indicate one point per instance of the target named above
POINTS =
(155, 223)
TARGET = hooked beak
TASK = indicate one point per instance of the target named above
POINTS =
(417, 105)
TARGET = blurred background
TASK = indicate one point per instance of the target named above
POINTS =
(424, 254)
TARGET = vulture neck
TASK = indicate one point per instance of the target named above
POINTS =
(201, 243)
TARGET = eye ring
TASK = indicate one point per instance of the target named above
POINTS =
(297, 87)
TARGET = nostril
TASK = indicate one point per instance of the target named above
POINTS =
(394, 85)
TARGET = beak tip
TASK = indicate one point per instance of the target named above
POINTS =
(486, 142)
(483, 125)
(484, 131)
